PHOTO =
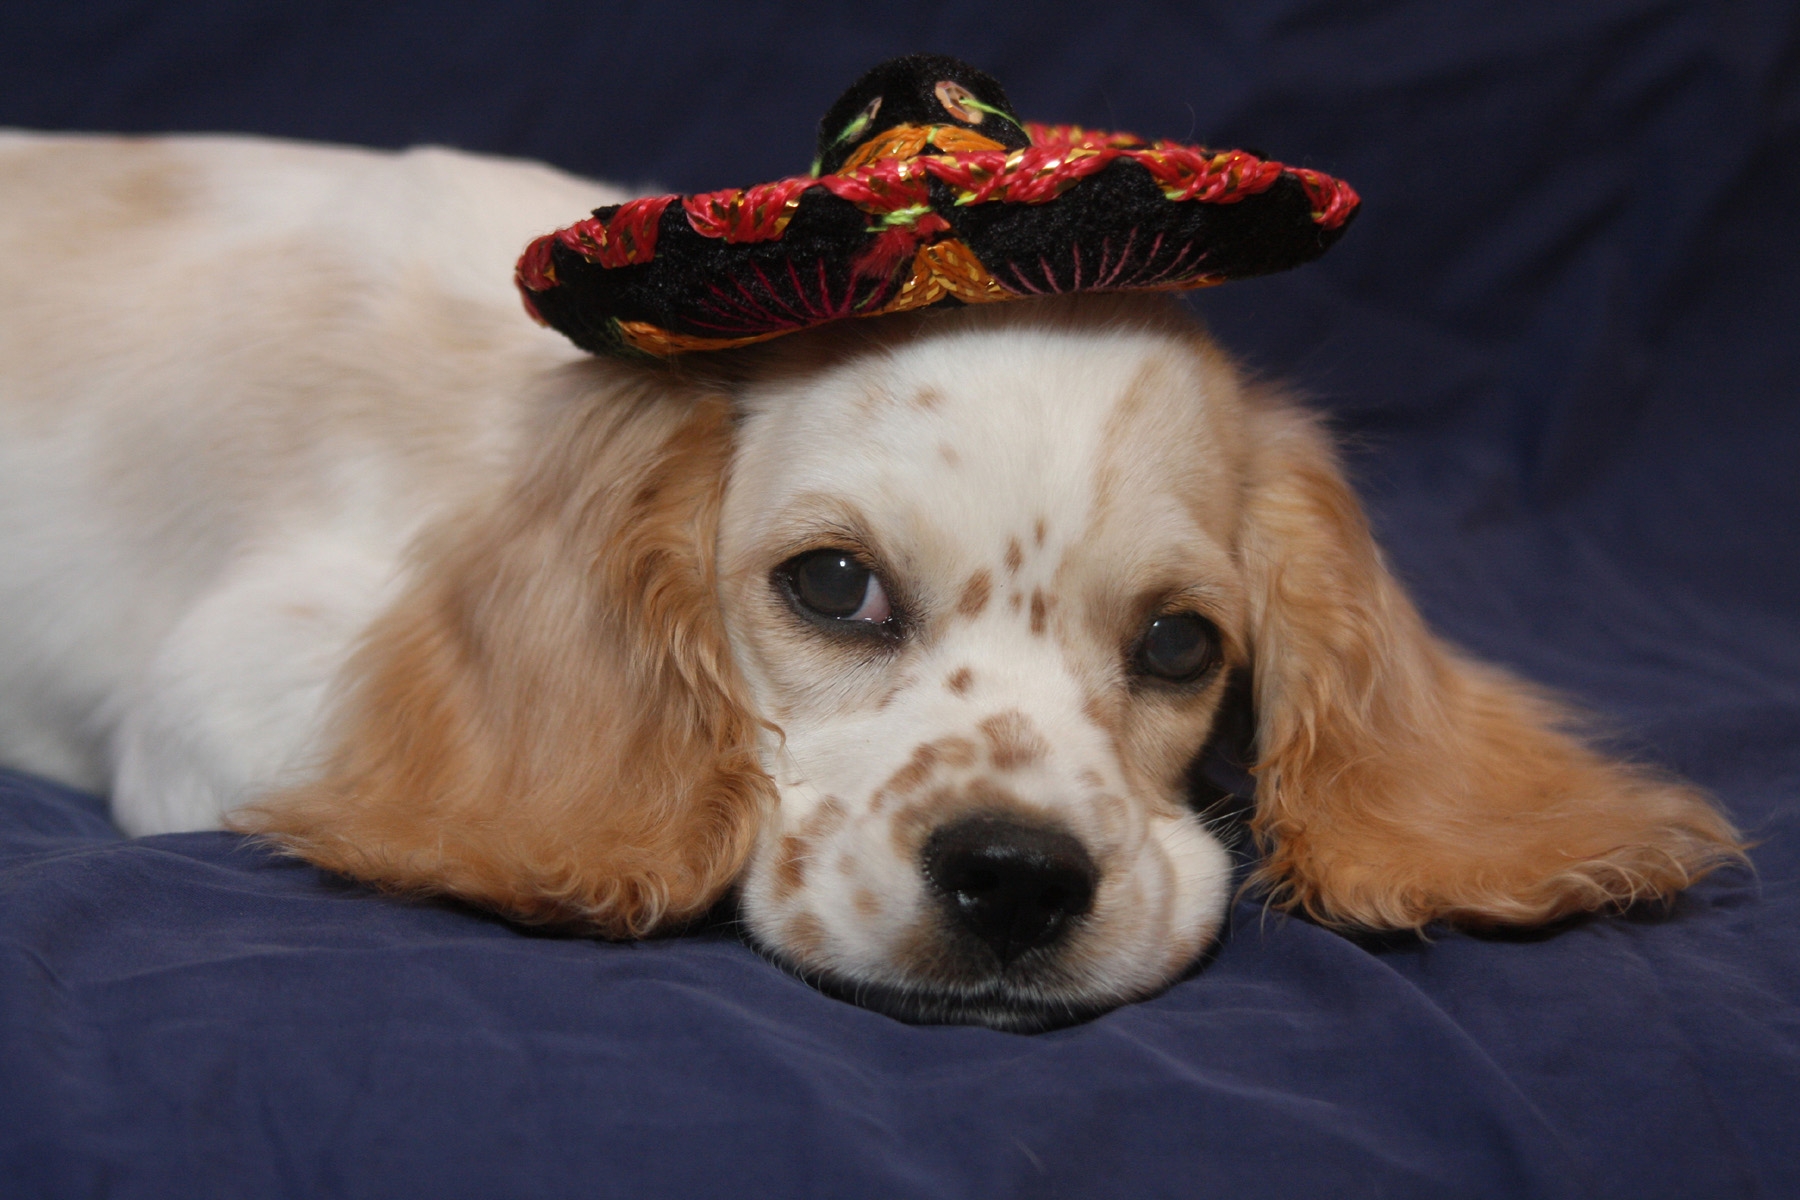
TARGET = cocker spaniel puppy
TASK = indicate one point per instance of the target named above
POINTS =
(907, 630)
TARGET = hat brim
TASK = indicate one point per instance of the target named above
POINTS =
(1075, 211)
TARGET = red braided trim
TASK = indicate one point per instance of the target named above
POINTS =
(536, 271)
(626, 237)
(884, 186)
(1333, 200)
(1190, 173)
(1041, 172)
(1034, 175)
(1218, 178)
(755, 214)
(1047, 135)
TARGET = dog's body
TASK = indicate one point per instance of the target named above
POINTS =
(192, 548)
(909, 628)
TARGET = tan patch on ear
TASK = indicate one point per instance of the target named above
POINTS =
(959, 681)
(647, 497)
(1402, 784)
(1012, 741)
(975, 594)
(548, 722)
(1015, 556)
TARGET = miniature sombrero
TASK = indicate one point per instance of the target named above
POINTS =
(927, 190)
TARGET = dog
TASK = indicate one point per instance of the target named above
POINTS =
(904, 632)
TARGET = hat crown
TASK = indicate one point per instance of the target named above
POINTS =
(915, 90)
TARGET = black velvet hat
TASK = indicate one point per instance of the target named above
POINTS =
(927, 190)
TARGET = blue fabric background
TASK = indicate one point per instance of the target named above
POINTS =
(1564, 339)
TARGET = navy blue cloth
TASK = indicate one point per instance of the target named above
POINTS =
(1564, 341)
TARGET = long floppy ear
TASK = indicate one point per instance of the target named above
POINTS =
(548, 722)
(1400, 783)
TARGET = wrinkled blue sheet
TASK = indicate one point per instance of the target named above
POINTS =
(1565, 340)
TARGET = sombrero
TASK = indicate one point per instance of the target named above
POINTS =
(927, 190)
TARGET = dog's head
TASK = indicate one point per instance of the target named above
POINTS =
(983, 585)
(914, 638)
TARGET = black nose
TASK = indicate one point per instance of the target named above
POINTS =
(1013, 885)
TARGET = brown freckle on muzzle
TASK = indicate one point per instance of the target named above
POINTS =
(975, 594)
(1015, 556)
(790, 865)
(1040, 612)
(939, 807)
(951, 752)
(804, 938)
(1012, 742)
(1108, 717)
(1103, 714)
(917, 770)
(959, 680)
(826, 819)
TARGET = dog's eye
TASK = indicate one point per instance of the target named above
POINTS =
(836, 584)
(1178, 647)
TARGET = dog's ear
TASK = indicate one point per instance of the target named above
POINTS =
(1399, 783)
(548, 722)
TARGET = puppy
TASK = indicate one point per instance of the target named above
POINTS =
(908, 629)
